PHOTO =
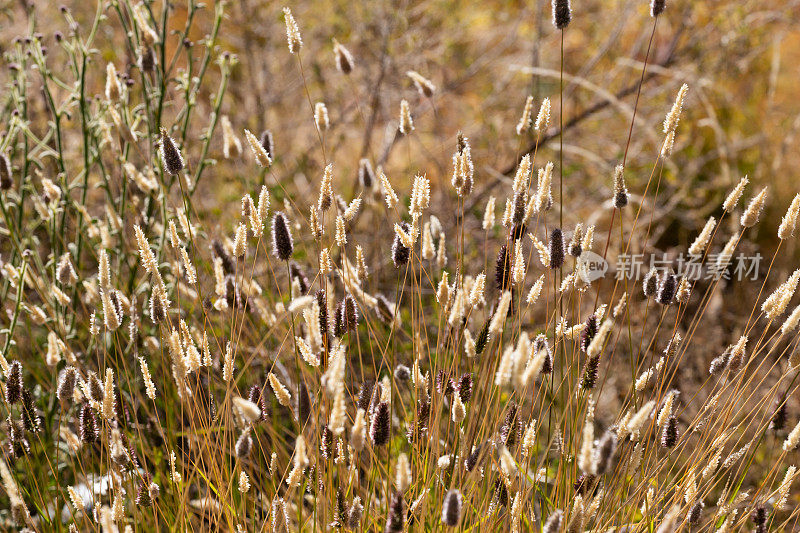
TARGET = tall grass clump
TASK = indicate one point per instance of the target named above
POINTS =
(341, 346)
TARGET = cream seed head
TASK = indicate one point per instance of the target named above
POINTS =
(113, 89)
(499, 317)
(284, 398)
(402, 473)
(524, 123)
(406, 122)
(231, 145)
(674, 115)
(543, 118)
(786, 229)
(352, 209)
(326, 189)
(701, 242)
(488, 214)
(321, 117)
(389, 195)
(293, 38)
(733, 197)
(754, 208)
(341, 232)
(424, 85)
(259, 152)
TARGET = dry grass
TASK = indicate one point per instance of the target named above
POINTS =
(367, 325)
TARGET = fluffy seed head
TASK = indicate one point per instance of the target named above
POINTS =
(562, 14)
(451, 508)
(344, 59)
(293, 38)
(260, 152)
(282, 243)
(170, 155)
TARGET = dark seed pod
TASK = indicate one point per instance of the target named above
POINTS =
(170, 155)
(14, 383)
(87, 423)
(556, 249)
(500, 493)
(379, 428)
(355, 513)
(483, 338)
(147, 59)
(620, 199)
(518, 231)
(322, 301)
(472, 459)
(657, 7)
(584, 484)
(695, 513)
(303, 403)
(268, 143)
(512, 428)
(553, 524)
(400, 254)
(402, 373)
(384, 308)
(575, 249)
(282, 244)
(6, 181)
(30, 420)
(650, 283)
(604, 453)
(350, 314)
(669, 436)
(540, 343)
(667, 289)
(244, 444)
(719, 363)
(66, 384)
(219, 251)
(589, 331)
(590, 373)
(65, 273)
(114, 297)
(562, 14)
(344, 61)
(338, 321)
(461, 142)
(143, 498)
(157, 310)
(18, 445)
(520, 203)
(465, 387)
(423, 411)
(340, 512)
(451, 508)
(397, 514)
(759, 518)
(121, 413)
(366, 176)
(443, 384)
(95, 387)
(365, 395)
(298, 274)
(502, 269)
(778, 421)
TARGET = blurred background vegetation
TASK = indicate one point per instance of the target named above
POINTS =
(740, 60)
